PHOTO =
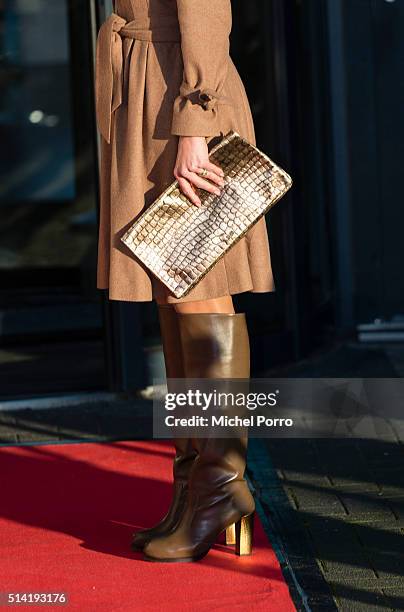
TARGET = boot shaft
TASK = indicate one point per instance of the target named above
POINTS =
(215, 345)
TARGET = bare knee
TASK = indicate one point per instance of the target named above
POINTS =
(215, 305)
(162, 301)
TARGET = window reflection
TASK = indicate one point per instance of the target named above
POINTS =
(50, 310)
(38, 196)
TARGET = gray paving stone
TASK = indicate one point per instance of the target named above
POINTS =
(291, 497)
(343, 462)
(389, 475)
(366, 581)
(346, 485)
(397, 426)
(381, 454)
(340, 553)
(358, 600)
(7, 435)
(322, 502)
(395, 491)
(358, 572)
(284, 453)
(8, 430)
(107, 420)
(7, 418)
(385, 550)
(395, 596)
(397, 507)
(366, 507)
(381, 431)
(37, 423)
(299, 476)
(29, 437)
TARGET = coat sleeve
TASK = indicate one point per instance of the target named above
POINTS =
(205, 28)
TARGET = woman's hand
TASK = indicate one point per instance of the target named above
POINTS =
(193, 157)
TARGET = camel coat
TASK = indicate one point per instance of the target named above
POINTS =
(163, 70)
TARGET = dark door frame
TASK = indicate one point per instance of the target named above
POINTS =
(125, 359)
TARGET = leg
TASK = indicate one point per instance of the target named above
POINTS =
(185, 453)
(215, 345)
(220, 305)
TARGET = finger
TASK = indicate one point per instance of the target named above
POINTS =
(188, 191)
(213, 177)
(201, 183)
(213, 168)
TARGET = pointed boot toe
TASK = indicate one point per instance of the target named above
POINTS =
(140, 539)
(171, 549)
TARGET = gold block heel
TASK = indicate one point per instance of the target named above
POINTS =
(231, 535)
(244, 529)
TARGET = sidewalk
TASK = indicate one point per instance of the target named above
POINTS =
(341, 502)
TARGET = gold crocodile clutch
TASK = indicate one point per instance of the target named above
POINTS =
(180, 242)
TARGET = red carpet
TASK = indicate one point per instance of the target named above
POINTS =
(66, 517)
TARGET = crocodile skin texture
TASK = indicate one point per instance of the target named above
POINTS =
(180, 242)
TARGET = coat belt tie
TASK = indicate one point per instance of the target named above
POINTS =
(109, 63)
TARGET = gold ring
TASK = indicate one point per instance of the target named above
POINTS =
(203, 172)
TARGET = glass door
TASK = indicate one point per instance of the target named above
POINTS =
(51, 323)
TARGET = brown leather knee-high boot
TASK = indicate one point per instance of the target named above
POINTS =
(214, 346)
(185, 453)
